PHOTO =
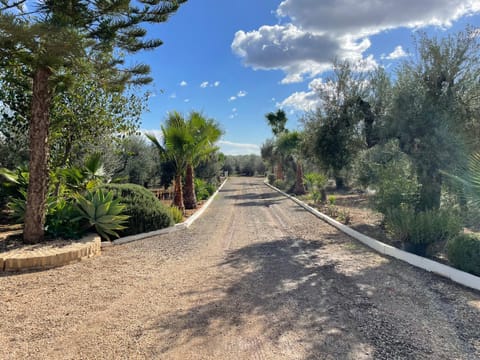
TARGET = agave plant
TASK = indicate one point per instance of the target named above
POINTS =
(101, 211)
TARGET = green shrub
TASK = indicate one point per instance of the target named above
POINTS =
(271, 178)
(463, 252)
(280, 184)
(424, 227)
(62, 220)
(332, 199)
(176, 214)
(316, 186)
(146, 213)
(203, 190)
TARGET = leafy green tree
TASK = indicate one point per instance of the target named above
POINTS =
(138, 162)
(432, 112)
(85, 113)
(61, 34)
(344, 123)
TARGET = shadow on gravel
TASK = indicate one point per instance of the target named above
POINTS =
(254, 196)
(298, 292)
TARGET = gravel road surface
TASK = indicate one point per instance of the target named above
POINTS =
(256, 277)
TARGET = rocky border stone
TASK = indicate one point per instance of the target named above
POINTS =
(47, 257)
(458, 276)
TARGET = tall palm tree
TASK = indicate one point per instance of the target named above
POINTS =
(277, 121)
(176, 137)
(205, 132)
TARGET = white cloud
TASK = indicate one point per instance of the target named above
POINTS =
(398, 53)
(173, 96)
(312, 32)
(368, 17)
(204, 84)
(234, 110)
(242, 93)
(183, 83)
(216, 83)
(234, 148)
(186, 100)
(304, 100)
(232, 98)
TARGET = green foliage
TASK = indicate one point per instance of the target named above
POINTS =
(332, 199)
(432, 108)
(277, 121)
(146, 213)
(280, 184)
(369, 163)
(63, 219)
(203, 189)
(463, 252)
(102, 212)
(176, 214)
(84, 38)
(245, 165)
(138, 162)
(424, 227)
(316, 185)
(271, 178)
(394, 187)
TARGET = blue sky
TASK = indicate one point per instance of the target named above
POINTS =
(238, 60)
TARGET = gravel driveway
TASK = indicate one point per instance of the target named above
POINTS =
(256, 277)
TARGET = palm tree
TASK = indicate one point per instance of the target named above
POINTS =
(204, 132)
(288, 144)
(187, 143)
(176, 138)
(277, 121)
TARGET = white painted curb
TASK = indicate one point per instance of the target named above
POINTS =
(184, 225)
(458, 276)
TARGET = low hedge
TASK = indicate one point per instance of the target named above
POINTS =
(463, 252)
(146, 213)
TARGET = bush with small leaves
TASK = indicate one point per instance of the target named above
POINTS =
(463, 251)
(421, 228)
(146, 213)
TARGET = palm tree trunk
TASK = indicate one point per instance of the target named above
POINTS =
(299, 183)
(190, 198)
(178, 193)
(38, 166)
(279, 174)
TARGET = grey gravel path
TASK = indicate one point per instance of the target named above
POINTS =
(256, 277)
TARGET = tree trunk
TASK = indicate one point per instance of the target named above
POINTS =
(339, 182)
(279, 174)
(178, 193)
(190, 199)
(38, 166)
(430, 190)
(299, 183)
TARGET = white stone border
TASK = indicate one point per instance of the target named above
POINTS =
(176, 227)
(458, 276)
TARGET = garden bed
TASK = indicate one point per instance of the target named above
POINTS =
(355, 211)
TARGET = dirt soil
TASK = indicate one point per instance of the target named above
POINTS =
(256, 277)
